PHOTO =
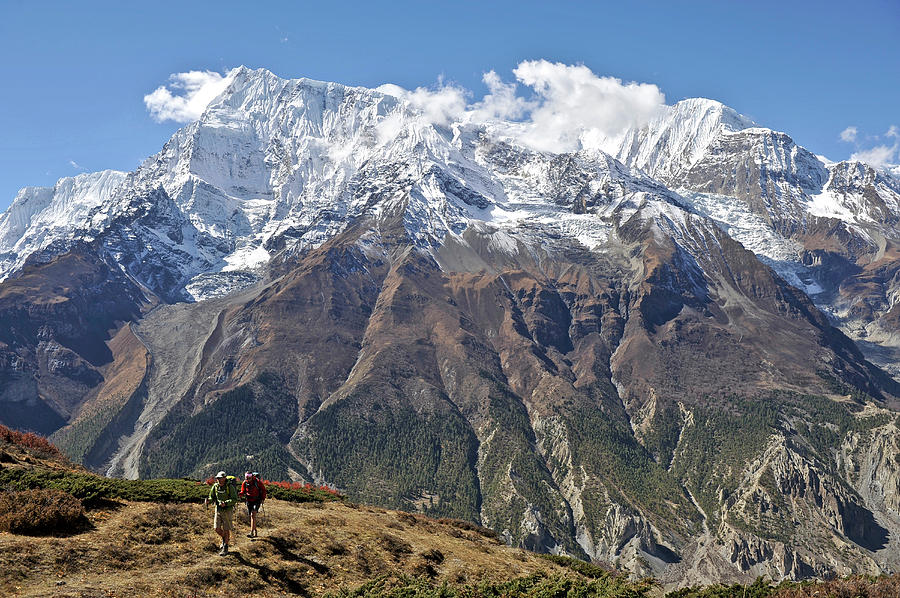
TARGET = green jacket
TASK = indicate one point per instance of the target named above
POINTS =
(223, 498)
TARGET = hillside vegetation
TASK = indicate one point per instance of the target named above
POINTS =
(153, 537)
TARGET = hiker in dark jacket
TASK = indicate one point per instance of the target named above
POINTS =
(254, 491)
(223, 495)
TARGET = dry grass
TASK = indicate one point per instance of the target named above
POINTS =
(40, 512)
(170, 550)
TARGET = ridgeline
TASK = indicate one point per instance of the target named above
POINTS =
(69, 533)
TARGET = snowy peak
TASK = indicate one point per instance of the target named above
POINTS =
(276, 163)
(679, 137)
(266, 103)
(860, 194)
(775, 162)
(41, 215)
(262, 131)
(851, 176)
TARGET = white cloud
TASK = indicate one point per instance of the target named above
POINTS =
(389, 128)
(878, 156)
(571, 108)
(576, 108)
(439, 106)
(849, 134)
(74, 164)
(501, 102)
(193, 91)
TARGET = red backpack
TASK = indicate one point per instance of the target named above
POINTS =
(255, 489)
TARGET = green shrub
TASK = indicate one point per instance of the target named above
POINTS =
(91, 488)
(538, 585)
(40, 512)
(584, 568)
(849, 587)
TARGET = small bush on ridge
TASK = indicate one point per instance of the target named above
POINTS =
(30, 440)
(40, 512)
(92, 488)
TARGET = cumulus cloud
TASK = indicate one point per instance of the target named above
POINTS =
(576, 108)
(439, 106)
(500, 103)
(881, 155)
(570, 107)
(878, 156)
(849, 134)
(186, 96)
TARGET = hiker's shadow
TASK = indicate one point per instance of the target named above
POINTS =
(282, 577)
(280, 545)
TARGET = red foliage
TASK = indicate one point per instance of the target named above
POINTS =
(29, 440)
(303, 487)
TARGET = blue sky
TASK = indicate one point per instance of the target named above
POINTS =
(75, 74)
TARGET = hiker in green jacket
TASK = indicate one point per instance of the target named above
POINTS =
(224, 496)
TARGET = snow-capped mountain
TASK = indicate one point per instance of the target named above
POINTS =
(276, 165)
(614, 353)
(273, 160)
(40, 216)
(678, 138)
(828, 228)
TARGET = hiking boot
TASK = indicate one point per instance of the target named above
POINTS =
(224, 550)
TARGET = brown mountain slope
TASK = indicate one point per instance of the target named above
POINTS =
(55, 320)
(554, 395)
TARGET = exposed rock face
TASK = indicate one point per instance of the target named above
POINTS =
(55, 319)
(436, 318)
(829, 229)
(765, 169)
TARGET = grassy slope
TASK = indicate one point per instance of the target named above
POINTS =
(310, 548)
(136, 544)
(303, 548)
